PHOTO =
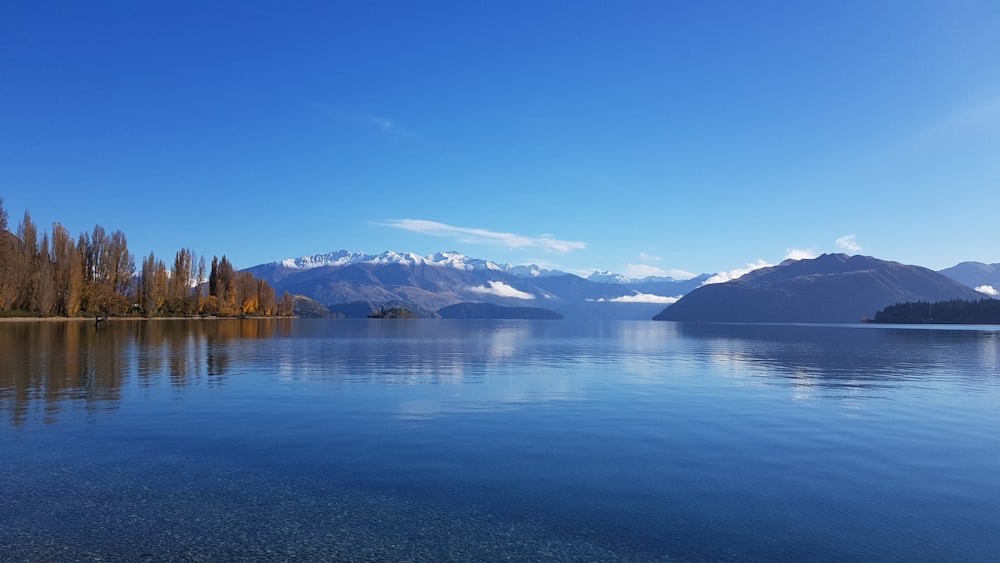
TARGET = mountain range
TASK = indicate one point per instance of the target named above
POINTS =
(830, 288)
(426, 284)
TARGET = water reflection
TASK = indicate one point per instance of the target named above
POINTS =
(848, 356)
(395, 352)
(48, 365)
(51, 366)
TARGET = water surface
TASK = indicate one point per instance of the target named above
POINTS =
(482, 440)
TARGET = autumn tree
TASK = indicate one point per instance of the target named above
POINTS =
(181, 300)
(153, 287)
(8, 250)
(97, 274)
(286, 307)
(268, 301)
(200, 283)
(45, 275)
(223, 287)
(121, 264)
(68, 272)
(26, 265)
(108, 269)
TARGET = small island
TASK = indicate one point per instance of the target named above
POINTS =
(392, 313)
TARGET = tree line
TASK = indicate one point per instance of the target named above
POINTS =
(956, 311)
(52, 274)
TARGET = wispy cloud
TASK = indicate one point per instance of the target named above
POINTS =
(380, 123)
(645, 270)
(967, 121)
(849, 243)
(649, 257)
(483, 236)
(988, 290)
(501, 289)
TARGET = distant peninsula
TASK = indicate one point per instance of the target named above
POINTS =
(955, 311)
(491, 311)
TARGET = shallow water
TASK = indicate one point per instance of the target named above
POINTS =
(479, 440)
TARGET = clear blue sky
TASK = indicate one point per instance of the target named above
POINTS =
(628, 136)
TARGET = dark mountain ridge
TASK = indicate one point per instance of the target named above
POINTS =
(833, 288)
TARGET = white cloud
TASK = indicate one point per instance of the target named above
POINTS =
(649, 257)
(483, 236)
(849, 243)
(988, 290)
(731, 275)
(645, 270)
(643, 298)
(501, 289)
(800, 254)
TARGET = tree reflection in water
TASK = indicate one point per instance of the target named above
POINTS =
(51, 365)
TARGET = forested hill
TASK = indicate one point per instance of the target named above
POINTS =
(49, 273)
(956, 311)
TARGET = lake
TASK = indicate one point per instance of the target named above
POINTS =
(433, 440)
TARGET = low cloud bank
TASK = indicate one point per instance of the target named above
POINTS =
(501, 289)
(641, 298)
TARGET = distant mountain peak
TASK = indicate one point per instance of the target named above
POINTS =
(605, 276)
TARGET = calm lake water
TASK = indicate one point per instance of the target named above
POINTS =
(479, 441)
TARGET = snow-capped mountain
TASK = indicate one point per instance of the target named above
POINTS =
(428, 283)
(449, 259)
(336, 258)
(607, 277)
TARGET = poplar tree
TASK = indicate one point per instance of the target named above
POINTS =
(26, 265)
(68, 272)
(45, 276)
(8, 248)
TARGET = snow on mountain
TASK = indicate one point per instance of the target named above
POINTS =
(607, 277)
(448, 259)
(336, 258)
(531, 271)
(611, 277)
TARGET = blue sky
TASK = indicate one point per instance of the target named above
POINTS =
(637, 137)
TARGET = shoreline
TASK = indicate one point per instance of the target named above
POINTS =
(109, 319)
